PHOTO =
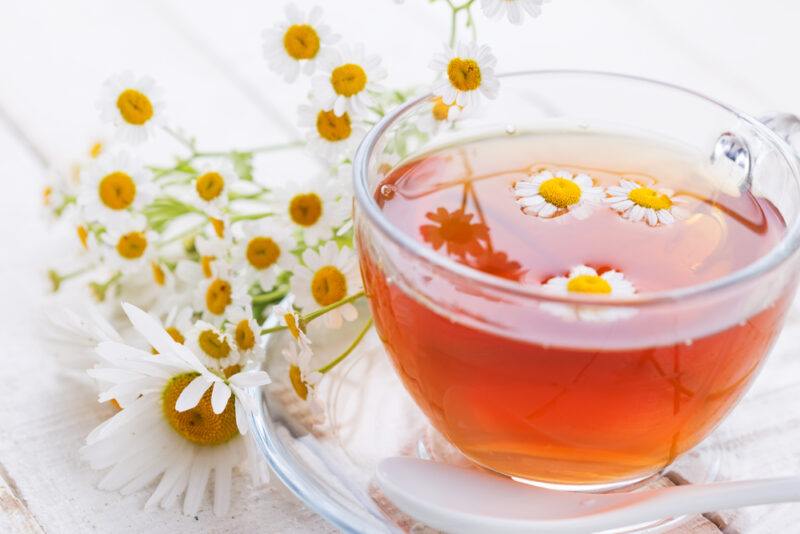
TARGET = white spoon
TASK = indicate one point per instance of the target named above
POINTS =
(455, 499)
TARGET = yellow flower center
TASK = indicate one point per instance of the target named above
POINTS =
(348, 79)
(301, 41)
(210, 185)
(328, 285)
(296, 378)
(213, 344)
(464, 74)
(135, 107)
(245, 338)
(291, 325)
(175, 334)
(560, 192)
(132, 245)
(205, 265)
(333, 128)
(158, 274)
(650, 198)
(588, 283)
(262, 252)
(219, 226)
(231, 370)
(305, 209)
(96, 149)
(117, 190)
(47, 195)
(218, 296)
(199, 425)
(83, 236)
(440, 110)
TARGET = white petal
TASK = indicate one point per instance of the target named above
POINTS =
(241, 417)
(219, 397)
(222, 490)
(250, 379)
(192, 394)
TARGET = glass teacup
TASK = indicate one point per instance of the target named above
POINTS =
(588, 405)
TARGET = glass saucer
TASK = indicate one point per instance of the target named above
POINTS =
(327, 456)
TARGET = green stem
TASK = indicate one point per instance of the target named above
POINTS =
(189, 231)
(333, 363)
(305, 319)
(276, 293)
(257, 150)
(251, 216)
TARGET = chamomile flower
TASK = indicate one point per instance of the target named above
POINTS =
(263, 252)
(547, 194)
(514, 10)
(214, 348)
(133, 105)
(583, 280)
(113, 186)
(246, 332)
(316, 207)
(637, 202)
(211, 187)
(346, 83)
(330, 136)
(465, 73)
(217, 295)
(178, 322)
(299, 43)
(326, 277)
(302, 376)
(438, 114)
(291, 320)
(129, 244)
(182, 421)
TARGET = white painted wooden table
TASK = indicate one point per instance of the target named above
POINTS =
(207, 56)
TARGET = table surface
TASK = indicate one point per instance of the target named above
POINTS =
(54, 57)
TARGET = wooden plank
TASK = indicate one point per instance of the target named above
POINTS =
(14, 515)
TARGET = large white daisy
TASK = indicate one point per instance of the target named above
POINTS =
(133, 105)
(316, 207)
(547, 194)
(465, 72)
(642, 203)
(299, 43)
(583, 280)
(112, 186)
(348, 79)
(330, 137)
(263, 252)
(326, 277)
(514, 10)
(181, 424)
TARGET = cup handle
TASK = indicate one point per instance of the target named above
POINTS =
(786, 125)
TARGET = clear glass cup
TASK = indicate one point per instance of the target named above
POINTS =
(520, 397)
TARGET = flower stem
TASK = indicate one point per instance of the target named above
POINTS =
(333, 363)
(189, 231)
(305, 319)
(276, 293)
(251, 216)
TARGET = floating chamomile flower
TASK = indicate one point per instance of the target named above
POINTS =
(182, 422)
(437, 115)
(299, 43)
(583, 280)
(348, 79)
(211, 187)
(638, 202)
(465, 72)
(316, 207)
(330, 136)
(326, 277)
(218, 294)
(302, 376)
(291, 320)
(113, 186)
(546, 194)
(130, 245)
(263, 252)
(133, 105)
(514, 10)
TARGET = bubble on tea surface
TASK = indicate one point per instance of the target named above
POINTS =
(511, 129)
(388, 191)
